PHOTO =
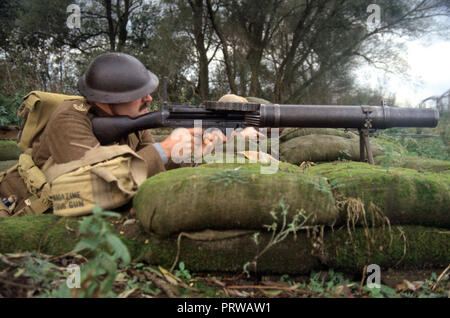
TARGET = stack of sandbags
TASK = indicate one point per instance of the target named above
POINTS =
(425, 247)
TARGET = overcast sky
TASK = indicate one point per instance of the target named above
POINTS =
(429, 61)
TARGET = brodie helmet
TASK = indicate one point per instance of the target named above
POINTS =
(114, 78)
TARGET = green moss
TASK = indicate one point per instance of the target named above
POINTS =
(405, 196)
(9, 150)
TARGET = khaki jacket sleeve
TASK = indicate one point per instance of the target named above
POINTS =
(147, 139)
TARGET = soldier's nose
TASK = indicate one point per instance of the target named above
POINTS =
(147, 98)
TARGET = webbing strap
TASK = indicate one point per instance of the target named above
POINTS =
(96, 155)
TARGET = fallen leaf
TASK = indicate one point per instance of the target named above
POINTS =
(271, 292)
(126, 293)
(19, 272)
(169, 277)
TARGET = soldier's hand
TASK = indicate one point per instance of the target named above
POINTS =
(182, 143)
(211, 139)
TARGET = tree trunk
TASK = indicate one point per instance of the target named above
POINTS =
(199, 36)
(111, 31)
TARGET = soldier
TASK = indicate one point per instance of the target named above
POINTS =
(114, 84)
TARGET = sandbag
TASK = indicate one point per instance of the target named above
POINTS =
(405, 196)
(403, 247)
(9, 150)
(317, 148)
(228, 197)
(290, 133)
(5, 165)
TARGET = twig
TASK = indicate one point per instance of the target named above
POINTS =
(161, 284)
(263, 287)
(402, 233)
(439, 278)
(5, 260)
(363, 277)
(14, 284)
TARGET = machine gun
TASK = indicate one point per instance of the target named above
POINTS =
(239, 115)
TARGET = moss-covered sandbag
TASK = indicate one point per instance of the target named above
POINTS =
(50, 234)
(405, 196)
(401, 247)
(290, 133)
(9, 150)
(319, 148)
(5, 165)
(420, 164)
(228, 197)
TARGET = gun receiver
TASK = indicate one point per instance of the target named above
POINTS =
(236, 115)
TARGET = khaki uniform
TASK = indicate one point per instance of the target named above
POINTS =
(67, 136)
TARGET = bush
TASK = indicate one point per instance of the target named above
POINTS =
(8, 110)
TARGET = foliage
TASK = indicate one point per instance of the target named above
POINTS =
(326, 186)
(390, 156)
(437, 147)
(182, 272)
(105, 249)
(8, 110)
(208, 48)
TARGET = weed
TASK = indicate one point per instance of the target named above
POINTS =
(326, 186)
(182, 272)
(390, 157)
(229, 176)
(101, 241)
(278, 233)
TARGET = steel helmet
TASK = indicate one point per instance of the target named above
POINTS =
(114, 78)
